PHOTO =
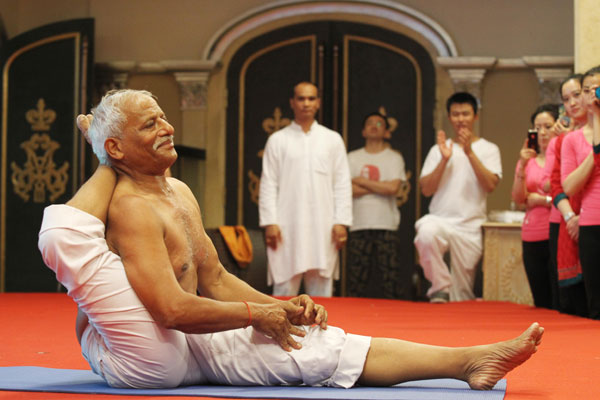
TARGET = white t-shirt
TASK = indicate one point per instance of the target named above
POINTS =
(459, 196)
(375, 211)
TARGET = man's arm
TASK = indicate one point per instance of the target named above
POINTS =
(486, 178)
(430, 182)
(269, 192)
(138, 234)
(384, 188)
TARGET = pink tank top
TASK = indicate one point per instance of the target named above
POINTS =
(536, 222)
(555, 216)
(574, 150)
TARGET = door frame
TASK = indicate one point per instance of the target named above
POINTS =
(228, 40)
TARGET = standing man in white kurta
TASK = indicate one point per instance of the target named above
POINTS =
(459, 173)
(305, 202)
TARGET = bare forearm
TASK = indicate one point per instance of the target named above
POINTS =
(429, 183)
(519, 194)
(358, 191)
(577, 179)
(384, 188)
(564, 206)
(231, 288)
(487, 179)
(536, 200)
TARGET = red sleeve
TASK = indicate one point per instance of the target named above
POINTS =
(555, 185)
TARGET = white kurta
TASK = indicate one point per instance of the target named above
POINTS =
(305, 188)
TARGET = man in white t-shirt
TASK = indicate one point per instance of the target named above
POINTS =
(459, 173)
(377, 171)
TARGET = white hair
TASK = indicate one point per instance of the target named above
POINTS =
(110, 118)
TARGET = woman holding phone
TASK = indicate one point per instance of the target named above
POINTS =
(580, 172)
(564, 215)
(530, 188)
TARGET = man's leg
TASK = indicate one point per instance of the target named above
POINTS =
(288, 288)
(317, 285)
(465, 253)
(392, 361)
(432, 242)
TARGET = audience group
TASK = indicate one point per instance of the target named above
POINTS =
(556, 182)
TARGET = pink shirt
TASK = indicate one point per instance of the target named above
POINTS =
(574, 150)
(555, 215)
(536, 223)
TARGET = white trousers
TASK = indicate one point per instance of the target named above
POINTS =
(434, 237)
(314, 285)
(124, 345)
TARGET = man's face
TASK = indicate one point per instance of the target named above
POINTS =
(305, 102)
(462, 116)
(148, 137)
(375, 128)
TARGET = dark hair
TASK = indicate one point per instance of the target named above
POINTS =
(551, 109)
(577, 77)
(375, 113)
(591, 72)
(303, 83)
(462, 98)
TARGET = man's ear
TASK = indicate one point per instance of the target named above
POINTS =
(113, 148)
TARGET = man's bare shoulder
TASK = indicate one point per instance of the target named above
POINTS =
(131, 211)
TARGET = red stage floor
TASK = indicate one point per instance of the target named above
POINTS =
(38, 330)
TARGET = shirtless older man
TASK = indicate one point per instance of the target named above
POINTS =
(148, 328)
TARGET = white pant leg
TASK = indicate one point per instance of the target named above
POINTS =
(288, 288)
(465, 252)
(317, 285)
(432, 241)
(122, 343)
(246, 357)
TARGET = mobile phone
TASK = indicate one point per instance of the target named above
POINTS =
(532, 140)
(563, 117)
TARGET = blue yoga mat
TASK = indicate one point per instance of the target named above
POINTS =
(38, 379)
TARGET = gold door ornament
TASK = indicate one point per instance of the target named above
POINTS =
(270, 125)
(39, 174)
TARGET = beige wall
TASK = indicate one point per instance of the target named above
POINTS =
(158, 30)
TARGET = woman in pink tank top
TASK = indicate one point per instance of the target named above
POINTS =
(580, 173)
(531, 189)
(564, 215)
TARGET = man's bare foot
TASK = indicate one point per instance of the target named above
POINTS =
(491, 362)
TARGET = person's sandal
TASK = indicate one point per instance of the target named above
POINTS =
(439, 297)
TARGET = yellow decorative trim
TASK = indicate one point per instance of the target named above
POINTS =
(3, 156)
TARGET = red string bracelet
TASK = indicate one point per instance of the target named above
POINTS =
(249, 315)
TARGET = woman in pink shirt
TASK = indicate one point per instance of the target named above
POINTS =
(531, 189)
(580, 173)
(564, 215)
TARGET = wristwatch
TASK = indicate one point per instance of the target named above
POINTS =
(548, 199)
(568, 216)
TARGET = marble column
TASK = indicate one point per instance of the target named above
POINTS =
(467, 73)
(111, 75)
(587, 32)
(550, 72)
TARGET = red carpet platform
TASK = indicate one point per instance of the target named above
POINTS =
(38, 330)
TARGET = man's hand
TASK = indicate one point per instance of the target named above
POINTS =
(273, 236)
(339, 236)
(573, 227)
(444, 148)
(272, 320)
(465, 136)
(313, 313)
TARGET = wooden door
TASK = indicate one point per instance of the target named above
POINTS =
(45, 76)
(358, 69)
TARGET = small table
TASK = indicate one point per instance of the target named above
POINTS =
(504, 276)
